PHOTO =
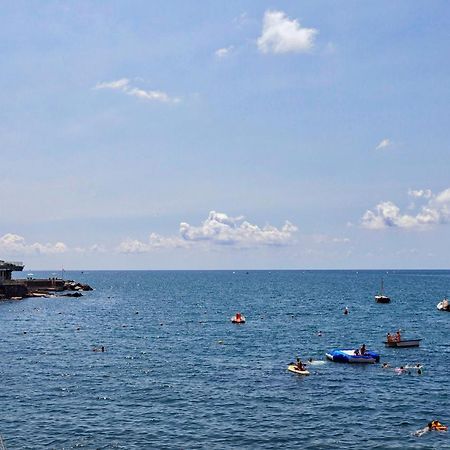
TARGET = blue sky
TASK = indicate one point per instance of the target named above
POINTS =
(237, 134)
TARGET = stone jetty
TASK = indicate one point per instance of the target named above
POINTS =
(17, 289)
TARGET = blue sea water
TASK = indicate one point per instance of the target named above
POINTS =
(176, 374)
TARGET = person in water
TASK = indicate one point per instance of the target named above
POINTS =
(385, 365)
(435, 425)
(346, 310)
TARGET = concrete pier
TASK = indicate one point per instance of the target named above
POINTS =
(19, 288)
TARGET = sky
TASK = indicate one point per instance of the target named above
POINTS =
(225, 135)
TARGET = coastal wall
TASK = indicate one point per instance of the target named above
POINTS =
(13, 290)
(30, 287)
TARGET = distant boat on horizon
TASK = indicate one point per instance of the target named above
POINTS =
(381, 298)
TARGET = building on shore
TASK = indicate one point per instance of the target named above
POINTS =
(8, 267)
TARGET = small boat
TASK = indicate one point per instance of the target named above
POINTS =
(403, 343)
(238, 318)
(381, 298)
(349, 356)
(443, 305)
(294, 369)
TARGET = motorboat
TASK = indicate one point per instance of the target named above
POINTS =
(403, 343)
(381, 298)
(352, 356)
(443, 305)
(238, 318)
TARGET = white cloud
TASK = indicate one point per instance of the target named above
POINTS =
(420, 193)
(14, 244)
(385, 143)
(121, 84)
(124, 85)
(223, 52)
(325, 239)
(154, 242)
(241, 20)
(217, 229)
(387, 214)
(283, 35)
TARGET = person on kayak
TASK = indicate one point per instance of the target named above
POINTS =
(300, 365)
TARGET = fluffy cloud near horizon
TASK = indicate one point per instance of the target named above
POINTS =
(387, 214)
(218, 229)
(13, 244)
(125, 86)
(154, 242)
(283, 35)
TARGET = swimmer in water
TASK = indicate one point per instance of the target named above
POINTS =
(434, 425)
(346, 310)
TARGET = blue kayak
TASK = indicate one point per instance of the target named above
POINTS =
(349, 356)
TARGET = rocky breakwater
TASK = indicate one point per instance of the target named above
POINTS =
(70, 285)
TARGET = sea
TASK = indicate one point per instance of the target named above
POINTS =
(177, 374)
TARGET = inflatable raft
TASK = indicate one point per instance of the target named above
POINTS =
(349, 356)
(294, 369)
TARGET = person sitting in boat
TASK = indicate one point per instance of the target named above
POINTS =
(300, 365)
(238, 316)
(389, 338)
(357, 352)
(398, 336)
(362, 350)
